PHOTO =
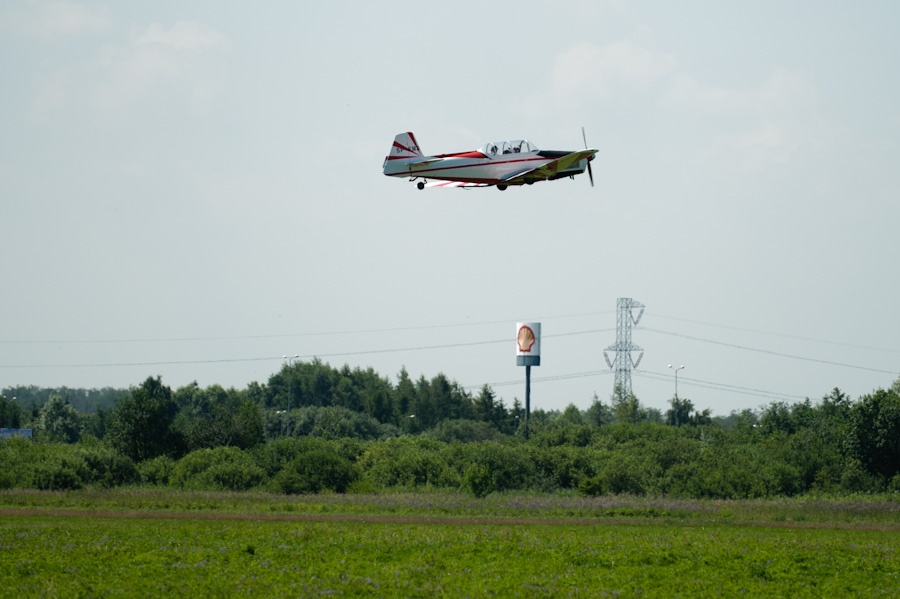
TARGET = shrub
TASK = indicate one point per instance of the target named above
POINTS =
(330, 422)
(108, 468)
(625, 475)
(464, 431)
(221, 468)
(562, 467)
(156, 471)
(231, 476)
(510, 466)
(564, 433)
(316, 471)
(592, 486)
(478, 480)
(407, 462)
(59, 471)
(273, 456)
(17, 456)
(855, 478)
(727, 473)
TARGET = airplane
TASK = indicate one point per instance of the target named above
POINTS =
(499, 164)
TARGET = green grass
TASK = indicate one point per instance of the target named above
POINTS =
(162, 543)
(836, 512)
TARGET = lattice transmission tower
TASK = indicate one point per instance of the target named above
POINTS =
(624, 361)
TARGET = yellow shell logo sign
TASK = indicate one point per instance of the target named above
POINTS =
(525, 339)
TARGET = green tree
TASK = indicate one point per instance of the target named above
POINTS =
(10, 413)
(571, 415)
(777, 417)
(215, 417)
(141, 424)
(598, 413)
(514, 418)
(464, 431)
(682, 413)
(59, 422)
(626, 407)
(404, 396)
(486, 406)
(873, 435)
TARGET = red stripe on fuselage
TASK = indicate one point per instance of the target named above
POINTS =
(472, 154)
(442, 172)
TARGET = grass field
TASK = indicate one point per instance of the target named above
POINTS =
(163, 543)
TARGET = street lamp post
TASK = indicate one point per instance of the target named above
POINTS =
(287, 413)
(676, 378)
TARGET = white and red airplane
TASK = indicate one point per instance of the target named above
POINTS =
(500, 164)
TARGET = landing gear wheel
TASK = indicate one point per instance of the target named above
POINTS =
(501, 187)
(420, 185)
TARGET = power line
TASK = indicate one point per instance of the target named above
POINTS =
(721, 386)
(286, 335)
(786, 336)
(656, 376)
(544, 379)
(306, 356)
(767, 351)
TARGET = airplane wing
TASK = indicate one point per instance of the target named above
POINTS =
(548, 170)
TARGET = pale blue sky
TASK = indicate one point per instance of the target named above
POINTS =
(195, 189)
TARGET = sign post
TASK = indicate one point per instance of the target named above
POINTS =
(528, 354)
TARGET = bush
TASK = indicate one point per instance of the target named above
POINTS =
(510, 466)
(231, 476)
(564, 433)
(407, 462)
(275, 455)
(17, 455)
(222, 468)
(59, 471)
(331, 422)
(156, 471)
(314, 472)
(562, 467)
(727, 473)
(106, 467)
(464, 431)
(625, 475)
(478, 480)
(592, 486)
(855, 478)
(58, 466)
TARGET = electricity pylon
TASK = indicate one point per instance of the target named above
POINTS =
(624, 361)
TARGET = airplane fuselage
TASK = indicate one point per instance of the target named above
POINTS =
(474, 167)
(502, 164)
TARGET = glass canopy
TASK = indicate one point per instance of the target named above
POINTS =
(514, 146)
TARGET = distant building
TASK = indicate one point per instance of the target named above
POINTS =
(9, 433)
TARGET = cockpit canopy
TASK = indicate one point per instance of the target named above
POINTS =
(514, 146)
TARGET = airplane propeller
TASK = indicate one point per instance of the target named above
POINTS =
(590, 172)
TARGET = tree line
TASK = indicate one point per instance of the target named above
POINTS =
(313, 427)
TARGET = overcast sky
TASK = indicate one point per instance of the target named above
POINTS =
(193, 190)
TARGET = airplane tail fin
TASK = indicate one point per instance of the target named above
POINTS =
(405, 146)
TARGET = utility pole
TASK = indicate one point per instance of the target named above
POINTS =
(676, 405)
(676, 378)
(290, 380)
